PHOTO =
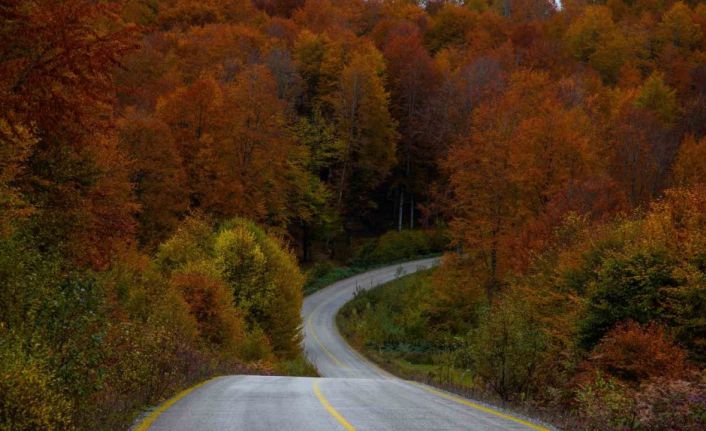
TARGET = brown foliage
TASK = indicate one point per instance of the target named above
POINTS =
(669, 404)
(634, 353)
(690, 164)
(106, 226)
(279, 7)
(59, 54)
(527, 153)
(211, 303)
(513, 119)
(157, 174)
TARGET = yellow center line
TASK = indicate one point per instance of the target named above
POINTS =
(310, 329)
(478, 406)
(329, 408)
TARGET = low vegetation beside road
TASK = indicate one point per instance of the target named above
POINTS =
(92, 350)
(604, 330)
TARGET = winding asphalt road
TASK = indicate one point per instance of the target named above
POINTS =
(352, 394)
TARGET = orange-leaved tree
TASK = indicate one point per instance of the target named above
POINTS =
(526, 151)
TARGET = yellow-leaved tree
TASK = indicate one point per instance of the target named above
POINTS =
(242, 285)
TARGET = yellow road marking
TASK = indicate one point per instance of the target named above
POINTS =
(311, 329)
(478, 406)
(149, 420)
(329, 408)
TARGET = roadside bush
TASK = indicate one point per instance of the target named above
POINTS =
(243, 264)
(148, 348)
(320, 269)
(29, 399)
(27, 279)
(506, 348)
(657, 405)
(89, 350)
(73, 324)
(390, 318)
(142, 365)
(633, 353)
(262, 276)
(210, 302)
(456, 296)
(605, 404)
(298, 366)
(678, 224)
(632, 286)
(639, 379)
(192, 242)
(257, 346)
(266, 282)
(664, 404)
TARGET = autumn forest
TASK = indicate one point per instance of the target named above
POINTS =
(174, 174)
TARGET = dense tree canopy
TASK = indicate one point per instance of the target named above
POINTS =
(164, 163)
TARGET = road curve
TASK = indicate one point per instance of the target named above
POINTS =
(352, 394)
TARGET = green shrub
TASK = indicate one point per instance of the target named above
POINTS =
(263, 276)
(266, 281)
(91, 350)
(391, 317)
(299, 366)
(604, 403)
(400, 245)
(629, 287)
(192, 242)
(320, 270)
(257, 346)
(506, 348)
(29, 399)
(243, 264)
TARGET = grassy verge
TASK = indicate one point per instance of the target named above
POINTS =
(391, 326)
(388, 325)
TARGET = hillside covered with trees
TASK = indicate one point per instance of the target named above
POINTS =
(167, 165)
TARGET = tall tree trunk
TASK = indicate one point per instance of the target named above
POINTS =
(411, 211)
(306, 243)
(401, 211)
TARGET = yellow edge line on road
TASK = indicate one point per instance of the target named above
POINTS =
(329, 408)
(311, 329)
(478, 406)
(149, 420)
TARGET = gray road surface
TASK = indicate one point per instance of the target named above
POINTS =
(352, 394)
